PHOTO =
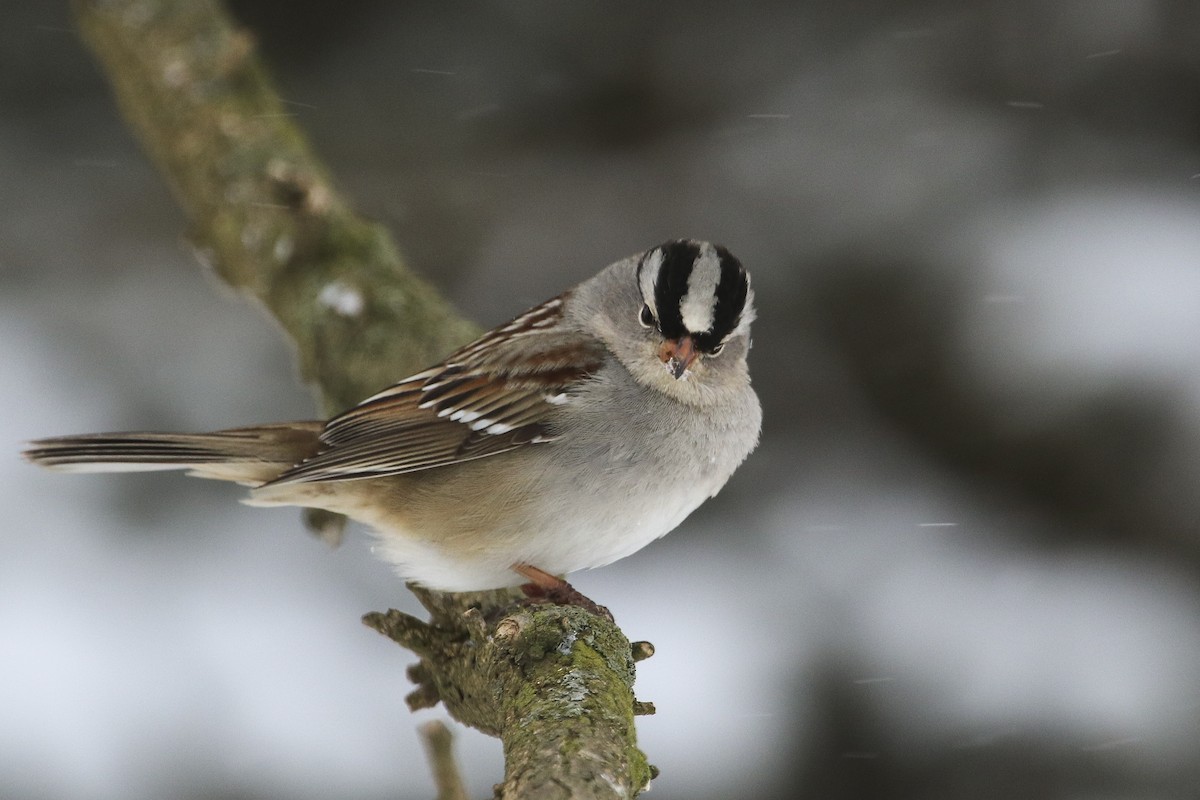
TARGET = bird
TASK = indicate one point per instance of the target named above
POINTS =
(570, 437)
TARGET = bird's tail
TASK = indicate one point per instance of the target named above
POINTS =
(250, 456)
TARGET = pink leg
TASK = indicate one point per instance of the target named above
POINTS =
(545, 587)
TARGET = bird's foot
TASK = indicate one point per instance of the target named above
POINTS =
(546, 588)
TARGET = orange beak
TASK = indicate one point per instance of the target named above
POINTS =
(677, 355)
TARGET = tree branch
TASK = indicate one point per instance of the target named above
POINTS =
(439, 744)
(262, 209)
(554, 683)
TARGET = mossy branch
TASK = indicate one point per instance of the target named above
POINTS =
(554, 683)
(263, 211)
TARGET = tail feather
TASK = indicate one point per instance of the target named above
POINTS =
(246, 455)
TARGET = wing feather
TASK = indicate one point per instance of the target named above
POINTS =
(494, 395)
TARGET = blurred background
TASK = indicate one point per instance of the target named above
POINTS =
(965, 560)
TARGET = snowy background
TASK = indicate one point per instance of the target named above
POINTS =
(965, 561)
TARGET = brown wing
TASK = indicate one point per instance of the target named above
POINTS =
(496, 394)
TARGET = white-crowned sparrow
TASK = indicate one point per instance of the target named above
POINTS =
(573, 436)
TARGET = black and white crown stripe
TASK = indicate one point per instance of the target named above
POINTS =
(648, 270)
(698, 306)
(695, 288)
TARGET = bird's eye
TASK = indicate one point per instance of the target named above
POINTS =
(716, 351)
(646, 317)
